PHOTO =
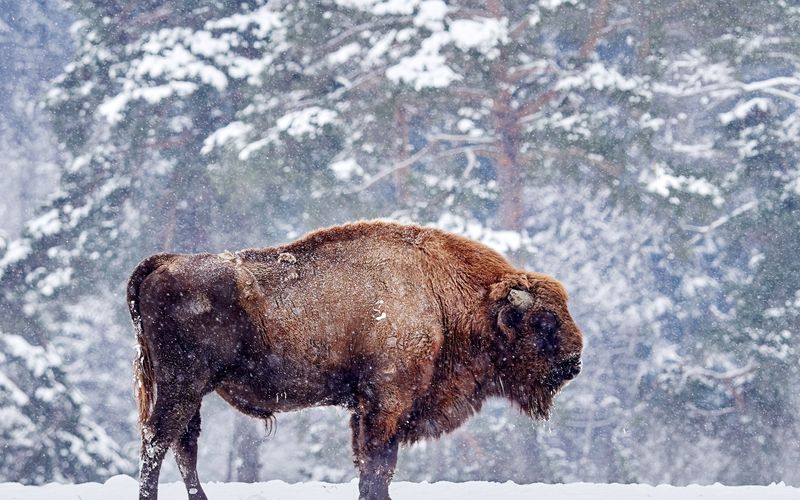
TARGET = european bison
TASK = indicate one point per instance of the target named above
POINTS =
(410, 328)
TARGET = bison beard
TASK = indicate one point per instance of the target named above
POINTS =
(410, 328)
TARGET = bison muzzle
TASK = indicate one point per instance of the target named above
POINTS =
(410, 328)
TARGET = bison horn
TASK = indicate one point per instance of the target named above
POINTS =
(520, 298)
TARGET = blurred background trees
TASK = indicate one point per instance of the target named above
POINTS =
(645, 153)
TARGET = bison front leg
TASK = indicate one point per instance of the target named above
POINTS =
(355, 427)
(377, 469)
(375, 446)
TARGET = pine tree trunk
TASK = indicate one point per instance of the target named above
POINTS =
(401, 126)
(510, 184)
(246, 445)
(504, 118)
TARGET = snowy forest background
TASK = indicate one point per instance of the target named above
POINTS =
(644, 152)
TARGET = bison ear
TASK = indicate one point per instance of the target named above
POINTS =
(510, 316)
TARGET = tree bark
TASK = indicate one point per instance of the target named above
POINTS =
(598, 25)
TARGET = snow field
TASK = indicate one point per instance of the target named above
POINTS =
(125, 488)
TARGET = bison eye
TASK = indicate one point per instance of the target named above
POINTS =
(546, 325)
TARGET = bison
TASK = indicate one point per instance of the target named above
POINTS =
(410, 328)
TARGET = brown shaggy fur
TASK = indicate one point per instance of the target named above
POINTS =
(411, 328)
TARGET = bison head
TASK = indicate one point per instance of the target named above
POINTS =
(541, 344)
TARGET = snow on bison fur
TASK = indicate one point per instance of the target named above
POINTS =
(410, 328)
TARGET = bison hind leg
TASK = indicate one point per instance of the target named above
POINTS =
(173, 410)
(185, 449)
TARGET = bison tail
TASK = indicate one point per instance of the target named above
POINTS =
(144, 377)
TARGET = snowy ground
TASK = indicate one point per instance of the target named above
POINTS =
(124, 488)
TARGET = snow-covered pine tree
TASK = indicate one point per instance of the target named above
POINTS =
(728, 178)
(136, 174)
(47, 432)
(59, 249)
(35, 46)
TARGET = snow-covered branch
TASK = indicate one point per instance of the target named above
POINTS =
(704, 230)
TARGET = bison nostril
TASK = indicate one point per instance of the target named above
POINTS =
(570, 367)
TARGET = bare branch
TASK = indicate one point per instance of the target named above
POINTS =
(595, 160)
(397, 166)
(526, 112)
(472, 160)
(519, 28)
(339, 39)
(703, 230)
(728, 376)
(768, 86)
(428, 151)
(461, 138)
(471, 93)
(698, 412)
(520, 72)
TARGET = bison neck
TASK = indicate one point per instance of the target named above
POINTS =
(456, 393)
